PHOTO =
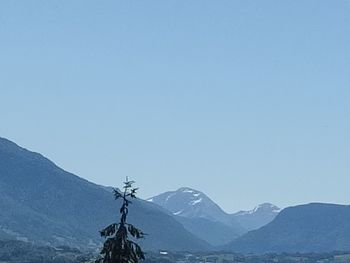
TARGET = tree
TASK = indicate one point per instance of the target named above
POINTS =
(118, 247)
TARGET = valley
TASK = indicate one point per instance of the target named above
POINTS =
(55, 215)
(9, 253)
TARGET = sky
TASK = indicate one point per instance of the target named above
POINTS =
(247, 101)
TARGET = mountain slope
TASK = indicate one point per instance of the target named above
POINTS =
(190, 203)
(205, 219)
(306, 228)
(215, 233)
(258, 217)
(43, 203)
(199, 215)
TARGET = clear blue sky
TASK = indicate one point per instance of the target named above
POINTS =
(248, 101)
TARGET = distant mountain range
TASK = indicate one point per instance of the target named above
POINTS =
(40, 202)
(305, 228)
(258, 217)
(43, 204)
(190, 203)
(205, 219)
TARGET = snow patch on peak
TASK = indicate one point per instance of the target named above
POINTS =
(177, 213)
(276, 209)
(194, 202)
(265, 206)
(247, 212)
(168, 197)
(186, 190)
(269, 206)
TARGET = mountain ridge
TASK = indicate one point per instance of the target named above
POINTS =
(314, 227)
(198, 213)
(44, 203)
(259, 216)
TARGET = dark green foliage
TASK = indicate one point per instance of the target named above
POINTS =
(118, 247)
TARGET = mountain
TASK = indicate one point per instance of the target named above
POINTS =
(190, 203)
(199, 215)
(41, 202)
(204, 218)
(306, 228)
(258, 217)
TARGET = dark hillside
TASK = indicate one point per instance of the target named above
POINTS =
(306, 228)
(41, 202)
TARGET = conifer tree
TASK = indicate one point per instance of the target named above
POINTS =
(119, 247)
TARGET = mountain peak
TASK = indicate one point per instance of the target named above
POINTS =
(267, 207)
(193, 196)
(264, 207)
(190, 203)
(187, 190)
(257, 217)
(196, 195)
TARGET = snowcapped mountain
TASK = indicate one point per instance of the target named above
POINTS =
(190, 203)
(198, 213)
(259, 216)
(267, 207)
